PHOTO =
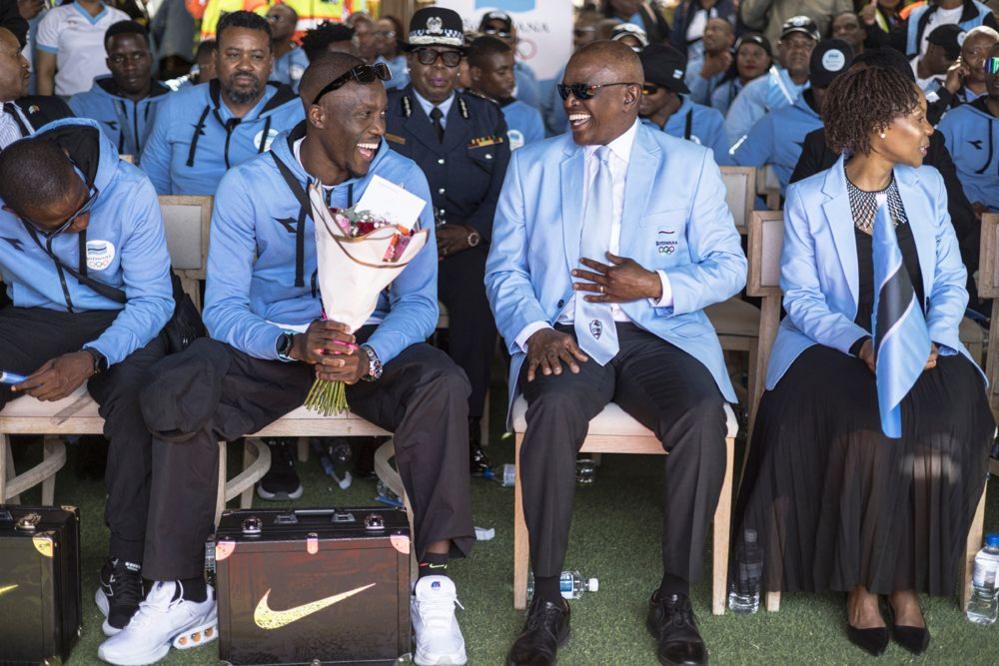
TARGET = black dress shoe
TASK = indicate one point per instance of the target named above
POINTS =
(478, 461)
(671, 621)
(873, 641)
(546, 630)
(913, 639)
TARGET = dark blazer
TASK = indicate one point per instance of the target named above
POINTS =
(816, 156)
(684, 14)
(41, 110)
(653, 22)
(10, 18)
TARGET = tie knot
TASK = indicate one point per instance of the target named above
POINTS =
(436, 113)
(603, 154)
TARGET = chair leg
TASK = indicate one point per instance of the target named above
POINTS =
(722, 529)
(249, 455)
(51, 447)
(220, 496)
(521, 546)
(973, 544)
(8, 473)
(303, 449)
(484, 423)
(773, 602)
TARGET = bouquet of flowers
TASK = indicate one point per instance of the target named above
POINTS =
(360, 251)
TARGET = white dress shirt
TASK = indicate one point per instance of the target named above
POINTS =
(9, 131)
(428, 106)
(620, 156)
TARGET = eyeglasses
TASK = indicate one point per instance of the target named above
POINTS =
(650, 89)
(80, 212)
(992, 65)
(587, 90)
(430, 57)
(387, 34)
(493, 32)
(362, 74)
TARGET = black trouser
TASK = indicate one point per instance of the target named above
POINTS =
(472, 331)
(665, 389)
(213, 392)
(31, 336)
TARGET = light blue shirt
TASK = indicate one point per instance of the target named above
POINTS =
(428, 106)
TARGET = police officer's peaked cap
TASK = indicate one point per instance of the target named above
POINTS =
(436, 26)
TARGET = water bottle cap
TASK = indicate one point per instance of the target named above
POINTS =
(992, 540)
(594, 585)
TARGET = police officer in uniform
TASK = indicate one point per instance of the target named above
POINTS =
(460, 142)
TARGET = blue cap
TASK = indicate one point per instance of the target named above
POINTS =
(992, 540)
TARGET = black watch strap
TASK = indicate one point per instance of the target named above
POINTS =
(100, 360)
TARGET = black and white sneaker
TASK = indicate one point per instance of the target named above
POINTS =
(281, 481)
(118, 594)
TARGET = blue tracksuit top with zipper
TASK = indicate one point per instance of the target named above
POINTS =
(288, 69)
(262, 268)
(123, 247)
(972, 137)
(974, 14)
(700, 124)
(524, 124)
(777, 139)
(772, 91)
(196, 138)
(126, 122)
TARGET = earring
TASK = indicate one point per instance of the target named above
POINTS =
(884, 136)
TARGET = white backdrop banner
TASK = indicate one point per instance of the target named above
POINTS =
(543, 26)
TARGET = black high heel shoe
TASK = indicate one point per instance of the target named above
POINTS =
(873, 641)
(913, 639)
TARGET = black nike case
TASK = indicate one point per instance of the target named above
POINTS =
(313, 586)
(40, 609)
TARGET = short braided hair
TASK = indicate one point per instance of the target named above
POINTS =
(863, 102)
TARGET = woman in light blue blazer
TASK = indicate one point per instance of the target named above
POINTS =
(835, 504)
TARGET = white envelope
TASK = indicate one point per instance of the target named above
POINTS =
(392, 203)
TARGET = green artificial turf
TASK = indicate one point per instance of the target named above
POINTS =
(615, 537)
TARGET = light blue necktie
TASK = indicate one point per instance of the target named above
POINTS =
(594, 322)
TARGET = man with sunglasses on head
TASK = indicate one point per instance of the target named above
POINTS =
(609, 242)
(125, 102)
(85, 262)
(460, 141)
(500, 25)
(265, 317)
(202, 131)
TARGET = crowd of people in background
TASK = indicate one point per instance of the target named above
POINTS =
(194, 92)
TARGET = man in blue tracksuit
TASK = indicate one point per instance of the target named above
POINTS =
(204, 130)
(125, 102)
(777, 138)
(290, 61)
(491, 68)
(85, 263)
(782, 85)
(666, 103)
(971, 132)
(499, 24)
(264, 312)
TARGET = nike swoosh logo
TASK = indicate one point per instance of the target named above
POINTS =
(5, 590)
(265, 618)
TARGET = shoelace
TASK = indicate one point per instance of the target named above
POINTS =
(151, 608)
(126, 586)
(437, 612)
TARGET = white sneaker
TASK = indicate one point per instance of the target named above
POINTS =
(438, 637)
(163, 619)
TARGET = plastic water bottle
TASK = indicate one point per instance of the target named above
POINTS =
(571, 584)
(985, 583)
(586, 471)
(744, 591)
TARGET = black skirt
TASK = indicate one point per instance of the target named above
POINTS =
(837, 504)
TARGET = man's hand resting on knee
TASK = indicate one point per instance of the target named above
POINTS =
(548, 349)
(58, 377)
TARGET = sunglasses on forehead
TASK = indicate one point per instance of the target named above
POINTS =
(583, 91)
(362, 74)
(992, 65)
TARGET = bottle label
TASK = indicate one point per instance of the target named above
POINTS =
(985, 575)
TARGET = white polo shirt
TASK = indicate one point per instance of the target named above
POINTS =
(77, 40)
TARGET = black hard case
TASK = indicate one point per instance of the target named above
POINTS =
(40, 595)
(300, 557)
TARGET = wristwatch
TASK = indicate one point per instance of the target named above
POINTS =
(474, 238)
(285, 343)
(100, 360)
(374, 365)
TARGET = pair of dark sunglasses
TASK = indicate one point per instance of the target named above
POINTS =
(493, 32)
(430, 57)
(80, 212)
(650, 89)
(362, 74)
(582, 91)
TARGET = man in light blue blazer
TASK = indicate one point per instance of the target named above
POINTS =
(608, 244)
